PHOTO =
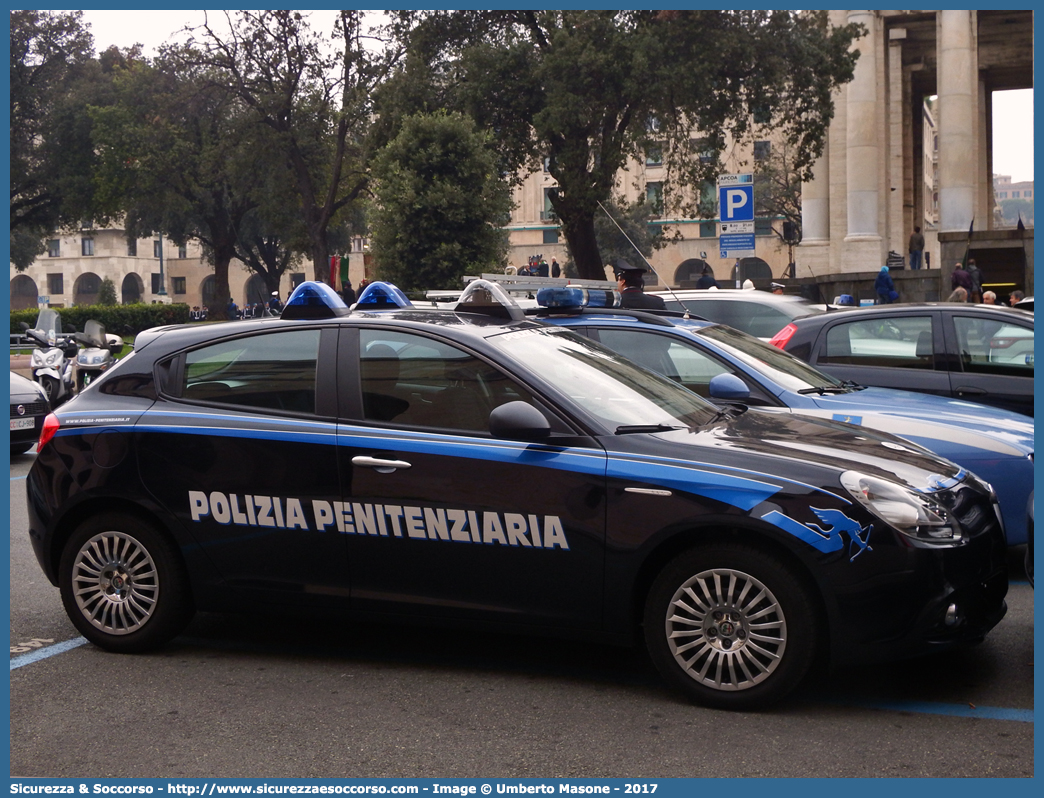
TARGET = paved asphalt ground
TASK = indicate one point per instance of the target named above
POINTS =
(248, 698)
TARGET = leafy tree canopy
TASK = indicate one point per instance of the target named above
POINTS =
(440, 204)
(585, 91)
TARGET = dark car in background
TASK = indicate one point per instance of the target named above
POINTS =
(29, 407)
(982, 353)
(756, 313)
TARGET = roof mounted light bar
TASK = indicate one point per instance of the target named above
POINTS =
(313, 300)
(488, 299)
(382, 296)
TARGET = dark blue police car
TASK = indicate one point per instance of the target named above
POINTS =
(479, 468)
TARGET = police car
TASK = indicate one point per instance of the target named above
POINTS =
(727, 365)
(480, 468)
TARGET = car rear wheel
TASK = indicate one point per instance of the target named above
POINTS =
(731, 625)
(123, 584)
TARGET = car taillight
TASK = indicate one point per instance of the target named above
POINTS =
(50, 426)
(780, 339)
(1004, 343)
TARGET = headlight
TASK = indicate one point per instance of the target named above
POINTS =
(52, 359)
(914, 514)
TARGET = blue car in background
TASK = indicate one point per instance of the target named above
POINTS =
(725, 365)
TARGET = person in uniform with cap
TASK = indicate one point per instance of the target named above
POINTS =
(274, 305)
(631, 283)
(777, 288)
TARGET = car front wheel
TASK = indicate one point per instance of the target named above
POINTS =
(123, 584)
(731, 625)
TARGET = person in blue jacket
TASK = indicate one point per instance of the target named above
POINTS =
(885, 287)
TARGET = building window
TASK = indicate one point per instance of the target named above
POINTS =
(1002, 195)
(55, 284)
(54, 248)
(132, 247)
(86, 246)
(296, 278)
(548, 212)
(550, 236)
(547, 165)
(708, 229)
(654, 155)
(157, 249)
(762, 149)
(156, 283)
(1015, 195)
(179, 284)
(183, 251)
(762, 227)
(1027, 194)
(654, 196)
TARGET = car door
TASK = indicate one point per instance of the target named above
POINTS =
(994, 359)
(904, 351)
(441, 519)
(240, 448)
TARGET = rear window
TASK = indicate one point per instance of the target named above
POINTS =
(762, 319)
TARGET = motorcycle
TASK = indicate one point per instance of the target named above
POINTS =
(98, 353)
(52, 360)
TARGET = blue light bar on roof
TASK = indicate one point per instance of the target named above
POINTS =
(566, 297)
(382, 296)
(312, 300)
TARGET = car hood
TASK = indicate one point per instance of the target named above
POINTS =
(800, 448)
(25, 390)
(932, 418)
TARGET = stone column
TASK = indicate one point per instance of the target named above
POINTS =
(958, 120)
(862, 250)
(813, 256)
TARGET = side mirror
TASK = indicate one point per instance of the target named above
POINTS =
(729, 388)
(519, 421)
(24, 326)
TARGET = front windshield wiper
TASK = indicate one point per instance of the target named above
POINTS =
(628, 429)
(822, 389)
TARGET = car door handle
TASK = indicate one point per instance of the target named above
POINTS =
(380, 466)
(971, 391)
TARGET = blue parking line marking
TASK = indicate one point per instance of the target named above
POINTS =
(44, 653)
(953, 710)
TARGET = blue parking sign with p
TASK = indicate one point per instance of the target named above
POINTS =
(736, 203)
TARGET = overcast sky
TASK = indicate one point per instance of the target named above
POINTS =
(1012, 110)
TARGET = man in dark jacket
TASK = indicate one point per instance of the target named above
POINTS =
(631, 284)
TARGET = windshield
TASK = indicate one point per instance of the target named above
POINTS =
(779, 366)
(618, 392)
(49, 321)
(95, 331)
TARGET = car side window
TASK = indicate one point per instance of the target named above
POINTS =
(270, 371)
(991, 346)
(899, 342)
(418, 381)
(667, 356)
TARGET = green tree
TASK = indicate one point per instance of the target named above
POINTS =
(621, 228)
(50, 52)
(585, 91)
(107, 292)
(440, 204)
(179, 155)
(317, 105)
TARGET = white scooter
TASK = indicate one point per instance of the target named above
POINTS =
(51, 362)
(98, 353)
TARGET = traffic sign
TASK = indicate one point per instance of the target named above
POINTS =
(736, 202)
(737, 245)
(737, 227)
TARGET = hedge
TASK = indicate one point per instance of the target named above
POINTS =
(119, 319)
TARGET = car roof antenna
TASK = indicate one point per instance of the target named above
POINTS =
(652, 268)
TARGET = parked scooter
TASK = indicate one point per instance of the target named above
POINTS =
(98, 353)
(52, 360)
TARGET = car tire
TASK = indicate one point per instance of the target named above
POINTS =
(50, 387)
(123, 584)
(731, 626)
